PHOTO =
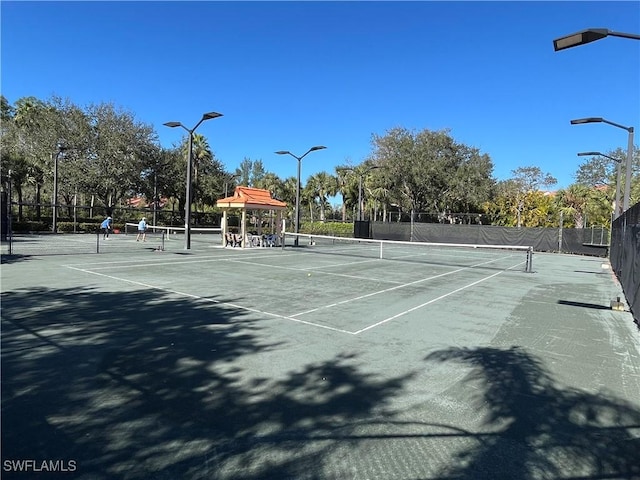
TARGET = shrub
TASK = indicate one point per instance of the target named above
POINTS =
(30, 226)
(81, 227)
(334, 229)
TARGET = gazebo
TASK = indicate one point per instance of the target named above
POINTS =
(247, 199)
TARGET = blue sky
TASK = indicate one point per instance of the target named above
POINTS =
(290, 75)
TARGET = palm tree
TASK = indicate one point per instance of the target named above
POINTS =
(320, 186)
(201, 153)
(343, 186)
(573, 201)
(381, 196)
(270, 181)
(289, 194)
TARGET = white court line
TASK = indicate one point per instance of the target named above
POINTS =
(197, 297)
(415, 282)
(291, 317)
(431, 301)
(129, 264)
(353, 277)
(235, 259)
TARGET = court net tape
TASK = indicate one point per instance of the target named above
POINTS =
(505, 257)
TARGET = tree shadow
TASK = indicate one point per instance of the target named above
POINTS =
(146, 384)
(7, 259)
(537, 429)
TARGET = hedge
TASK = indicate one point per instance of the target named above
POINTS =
(334, 229)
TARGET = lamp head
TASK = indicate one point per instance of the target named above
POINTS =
(589, 154)
(172, 124)
(580, 38)
(599, 154)
(318, 147)
(210, 115)
(283, 152)
(586, 120)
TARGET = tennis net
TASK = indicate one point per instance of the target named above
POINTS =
(43, 243)
(503, 257)
(200, 235)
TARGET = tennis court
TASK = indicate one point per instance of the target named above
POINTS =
(318, 361)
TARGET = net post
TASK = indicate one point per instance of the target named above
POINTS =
(163, 240)
(529, 267)
(98, 242)
(381, 243)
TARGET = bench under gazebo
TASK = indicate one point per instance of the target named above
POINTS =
(255, 201)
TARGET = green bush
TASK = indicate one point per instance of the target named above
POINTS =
(30, 226)
(333, 229)
(81, 227)
(86, 227)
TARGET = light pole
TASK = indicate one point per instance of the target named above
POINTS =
(229, 179)
(61, 150)
(587, 36)
(616, 212)
(361, 175)
(286, 152)
(187, 208)
(627, 184)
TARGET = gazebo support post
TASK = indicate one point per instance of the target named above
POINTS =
(243, 228)
(225, 227)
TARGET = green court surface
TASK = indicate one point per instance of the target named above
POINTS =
(270, 363)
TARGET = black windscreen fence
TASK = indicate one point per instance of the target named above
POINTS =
(622, 244)
(583, 241)
(625, 256)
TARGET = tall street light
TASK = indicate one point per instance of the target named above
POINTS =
(627, 184)
(616, 212)
(187, 208)
(587, 36)
(229, 179)
(286, 152)
(61, 150)
(361, 174)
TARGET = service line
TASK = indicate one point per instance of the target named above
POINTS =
(210, 300)
(432, 301)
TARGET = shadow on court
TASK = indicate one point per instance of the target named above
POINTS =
(142, 385)
(8, 259)
(146, 385)
(538, 429)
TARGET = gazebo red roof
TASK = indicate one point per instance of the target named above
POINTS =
(250, 198)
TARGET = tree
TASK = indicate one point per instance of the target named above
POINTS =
(343, 181)
(531, 179)
(514, 206)
(270, 181)
(201, 153)
(430, 171)
(116, 155)
(33, 144)
(600, 171)
(525, 181)
(319, 187)
(39, 127)
(289, 195)
(573, 203)
(208, 172)
(473, 180)
(250, 172)
(7, 112)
